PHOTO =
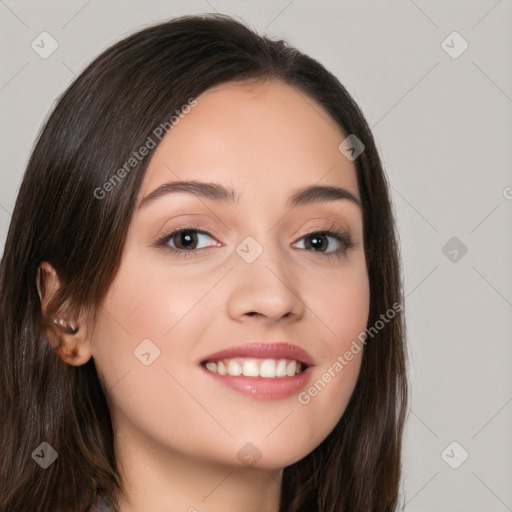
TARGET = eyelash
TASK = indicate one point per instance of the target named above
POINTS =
(340, 236)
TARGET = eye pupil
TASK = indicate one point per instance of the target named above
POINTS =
(184, 238)
(316, 242)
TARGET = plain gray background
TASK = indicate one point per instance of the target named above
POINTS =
(443, 125)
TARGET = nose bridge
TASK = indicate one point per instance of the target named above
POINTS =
(263, 280)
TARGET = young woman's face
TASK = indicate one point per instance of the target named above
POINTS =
(256, 269)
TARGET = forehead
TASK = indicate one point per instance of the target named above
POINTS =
(258, 132)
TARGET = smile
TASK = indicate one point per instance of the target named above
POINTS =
(262, 371)
(255, 367)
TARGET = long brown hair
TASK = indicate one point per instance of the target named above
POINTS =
(106, 114)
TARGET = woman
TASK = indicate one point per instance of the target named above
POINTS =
(201, 303)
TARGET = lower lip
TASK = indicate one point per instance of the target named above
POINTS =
(264, 388)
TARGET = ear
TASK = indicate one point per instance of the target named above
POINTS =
(67, 333)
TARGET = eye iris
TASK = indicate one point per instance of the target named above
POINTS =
(317, 242)
(185, 237)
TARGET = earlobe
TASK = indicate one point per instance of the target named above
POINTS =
(73, 351)
(67, 333)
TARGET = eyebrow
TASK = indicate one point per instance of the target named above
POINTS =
(217, 192)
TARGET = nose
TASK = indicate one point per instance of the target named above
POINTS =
(265, 288)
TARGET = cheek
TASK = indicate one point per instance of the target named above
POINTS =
(343, 315)
(149, 300)
(149, 309)
(136, 308)
(341, 302)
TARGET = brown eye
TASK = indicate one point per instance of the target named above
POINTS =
(185, 239)
(319, 241)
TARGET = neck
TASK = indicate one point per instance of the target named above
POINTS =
(160, 479)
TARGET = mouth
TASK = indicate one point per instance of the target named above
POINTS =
(255, 367)
(264, 371)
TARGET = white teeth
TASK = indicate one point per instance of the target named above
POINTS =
(268, 368)
(212, 367)
(234, 368)
(281, 368)
(252, 367)
(291, 368)
(221, 368)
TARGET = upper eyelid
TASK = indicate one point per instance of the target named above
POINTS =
(327, 224)
(332, 226)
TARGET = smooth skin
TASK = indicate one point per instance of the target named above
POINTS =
(177, 430)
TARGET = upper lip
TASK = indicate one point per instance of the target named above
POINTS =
(278, 350)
